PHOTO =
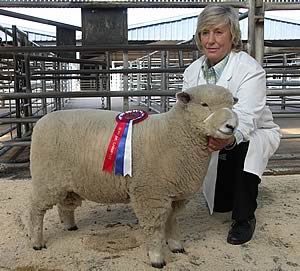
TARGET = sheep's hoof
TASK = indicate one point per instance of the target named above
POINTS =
(175, 246)
(159, 265)
(74, 228)
(39, 247)
(178, 250)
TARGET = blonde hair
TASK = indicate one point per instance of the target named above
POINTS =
(216, 15)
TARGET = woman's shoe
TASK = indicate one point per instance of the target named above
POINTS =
(241, 231)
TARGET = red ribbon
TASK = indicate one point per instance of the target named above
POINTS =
(122, 120)
(113, 147)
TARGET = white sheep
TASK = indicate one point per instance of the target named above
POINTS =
(170, 160)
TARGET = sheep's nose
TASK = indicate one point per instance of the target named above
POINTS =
(230, 127)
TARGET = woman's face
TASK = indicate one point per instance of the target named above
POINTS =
(216, 42)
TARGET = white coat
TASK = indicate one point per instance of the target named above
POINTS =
(245, 78)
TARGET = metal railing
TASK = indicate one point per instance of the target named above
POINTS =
(35, 81)
(158, 71)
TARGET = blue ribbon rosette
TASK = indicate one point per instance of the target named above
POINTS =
(120, 147)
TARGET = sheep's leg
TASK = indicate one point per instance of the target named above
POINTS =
(66, 210)
(172, 231)
(67, 218)
(152, 215)
(36, 217)
(155, 247)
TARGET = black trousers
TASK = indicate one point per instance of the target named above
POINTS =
(236, 190)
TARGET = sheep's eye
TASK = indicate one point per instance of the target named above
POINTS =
(204, 104)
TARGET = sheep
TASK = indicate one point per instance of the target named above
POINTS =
(170, 160)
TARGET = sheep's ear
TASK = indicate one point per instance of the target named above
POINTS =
(183, 97)
(235, 100)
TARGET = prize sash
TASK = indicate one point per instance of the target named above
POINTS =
(119, 151)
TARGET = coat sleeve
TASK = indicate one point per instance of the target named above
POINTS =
(251, 95)
(191, 73)
(186, 80)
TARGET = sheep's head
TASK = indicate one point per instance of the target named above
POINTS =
(208, 110)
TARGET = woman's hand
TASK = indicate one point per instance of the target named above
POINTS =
(216, 144)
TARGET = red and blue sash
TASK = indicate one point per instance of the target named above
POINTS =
(119, 151)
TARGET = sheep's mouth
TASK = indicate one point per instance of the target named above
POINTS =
(225, 133)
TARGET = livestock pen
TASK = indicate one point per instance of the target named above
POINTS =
(41, 78)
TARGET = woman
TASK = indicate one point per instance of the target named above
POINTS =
(238, 163)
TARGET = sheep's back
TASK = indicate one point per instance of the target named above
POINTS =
(68, 149)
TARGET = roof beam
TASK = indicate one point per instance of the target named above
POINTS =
(118, 3)
(38, 20)
(281, 6)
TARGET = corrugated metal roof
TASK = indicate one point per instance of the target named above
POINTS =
(183, 28)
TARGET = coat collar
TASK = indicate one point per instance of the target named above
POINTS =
(226, 75)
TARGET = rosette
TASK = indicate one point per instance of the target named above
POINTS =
(119, 151)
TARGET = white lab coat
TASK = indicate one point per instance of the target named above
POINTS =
(245, 78)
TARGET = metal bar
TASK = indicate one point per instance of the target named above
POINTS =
(44, 89)
(281, 6)
(5, 114)
(278, 83)
(251, 28)
(8, 130)
(291, 136)
(284, 81)
(287, 103)
(51, 78)
(16, 81)
(149, 78)
(125, 70)
(284, 92)
(9, 33)
(99, 48)
(285, 70)
(64, 59)
(163, 82)
(286, 115)
(78, 94)
(259, 31)
(7, 78)
(57, 101)
(37, 20)
(244, 15)
(125, 81)
(281, 50)
(288, 156)
(283, 75)
(28, 110)
(18, 120)
(15, 143)
(10, 164)
(119, 4)
(61, 59)
(108, 64)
